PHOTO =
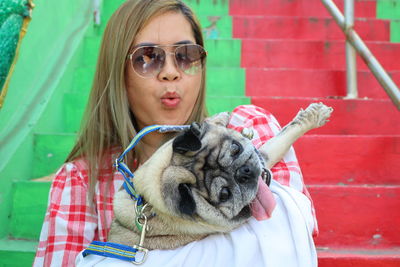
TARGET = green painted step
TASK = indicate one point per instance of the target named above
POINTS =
(28, 209)
(50, 151)
(214, 7)
(108, 8)
(390, 9)
(17, 253)
(223, 52)
(216, 104)
(395, 31)
(83, 79)
(91, 46)
(216, 27)
(226, 81)
(74, 105)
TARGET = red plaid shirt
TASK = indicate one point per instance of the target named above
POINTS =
(71, 223)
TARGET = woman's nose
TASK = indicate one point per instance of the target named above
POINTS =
(170, 71)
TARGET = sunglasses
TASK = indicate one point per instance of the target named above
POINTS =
(147, 61)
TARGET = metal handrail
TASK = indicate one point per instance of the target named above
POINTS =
(351, 53)
(357, 43)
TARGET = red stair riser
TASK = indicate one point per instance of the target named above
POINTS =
(313, 8)
(357, 215)
(350, 160)
(355, 117)
(360, 260)
(307, 28)
(311, 54)
(311, 83)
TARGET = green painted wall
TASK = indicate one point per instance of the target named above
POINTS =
(54, 33)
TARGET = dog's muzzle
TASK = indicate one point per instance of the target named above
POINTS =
(246, 174)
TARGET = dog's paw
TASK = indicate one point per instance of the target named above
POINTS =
(314, 116)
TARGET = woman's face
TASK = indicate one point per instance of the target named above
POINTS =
(169, 96)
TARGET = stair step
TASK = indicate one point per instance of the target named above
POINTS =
(209, 7)
(350, 117)
(362, 216)
(73, 109)
(215, 27)
(300, 54)
(91, 48)
(223, 52)
(389, 9)
(50, 151)
(313, 8)
(83, 79)
(359, 257)
(349, 159)
(232, 83)
(311, 83)
(28, 209)
(216, 104)
(17, 253)
(307, 28)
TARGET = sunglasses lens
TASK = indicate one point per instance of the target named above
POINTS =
(190, 58)
(147, 61)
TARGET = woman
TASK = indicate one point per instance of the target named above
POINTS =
(151, 70)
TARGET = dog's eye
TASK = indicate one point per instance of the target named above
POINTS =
(236, 149)
(224, 195)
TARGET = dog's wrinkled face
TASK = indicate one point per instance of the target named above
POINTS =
(212, 177)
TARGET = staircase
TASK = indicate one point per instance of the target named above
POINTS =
(294, 54)
(278, 54)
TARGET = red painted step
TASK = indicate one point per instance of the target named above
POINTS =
(349, 160)
(358, 257)
(312, 54)
(350, 117)
(314, 8)
(307, 28)
(357, 216)
(311, 83)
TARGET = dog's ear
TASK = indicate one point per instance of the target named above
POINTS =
(189, 140)
(221, 119)
(186, 205)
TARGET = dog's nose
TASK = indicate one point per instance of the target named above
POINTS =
(245, 174)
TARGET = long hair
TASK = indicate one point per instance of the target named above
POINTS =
(108, 122)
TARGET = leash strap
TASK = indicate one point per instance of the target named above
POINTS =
(124, 169)
(112, 250)
(118, 251)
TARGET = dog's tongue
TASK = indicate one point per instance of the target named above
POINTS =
(264, 203)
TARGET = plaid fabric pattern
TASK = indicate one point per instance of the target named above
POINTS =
(71, 223)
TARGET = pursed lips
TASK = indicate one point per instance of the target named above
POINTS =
(170, 100)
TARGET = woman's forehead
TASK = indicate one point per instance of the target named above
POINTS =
(166, 29)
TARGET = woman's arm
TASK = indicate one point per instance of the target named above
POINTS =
(70, 222)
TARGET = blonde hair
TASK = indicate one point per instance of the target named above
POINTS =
(108, 122)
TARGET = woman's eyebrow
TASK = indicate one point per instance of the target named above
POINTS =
(154, 44)
(184, 42)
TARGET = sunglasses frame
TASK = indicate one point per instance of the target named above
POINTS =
(130, 57)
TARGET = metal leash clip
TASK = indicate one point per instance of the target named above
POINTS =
(141, 223)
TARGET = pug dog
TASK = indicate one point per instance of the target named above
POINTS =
(203, 181)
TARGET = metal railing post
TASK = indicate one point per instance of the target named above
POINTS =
(352, 37)
(351, 63)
